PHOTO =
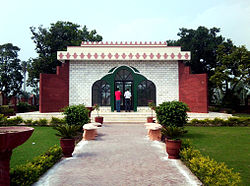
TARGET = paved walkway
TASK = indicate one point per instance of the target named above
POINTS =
(121, 155)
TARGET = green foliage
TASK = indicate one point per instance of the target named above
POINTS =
(232, 74)
(6, 110)
(232, 121)
(76, 115)
(14, 121)
(24, 175)
(173, 132)
(28, 121)
(172, 113)
(49, 41)
(57, 121)
(207, 170)
(23, 107)
(2, 119)
(10, 70)
(67, 131)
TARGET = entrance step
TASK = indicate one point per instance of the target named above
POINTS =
(121, 117)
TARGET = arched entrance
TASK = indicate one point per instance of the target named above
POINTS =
(123, 77)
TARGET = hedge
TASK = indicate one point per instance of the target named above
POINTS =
(29, 173)
(208, 170)
(232, 121)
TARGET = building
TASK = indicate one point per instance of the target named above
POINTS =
(90, 73)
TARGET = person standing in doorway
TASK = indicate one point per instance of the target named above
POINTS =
(118, 99)
(127, 96)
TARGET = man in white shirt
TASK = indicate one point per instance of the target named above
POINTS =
(127, 96)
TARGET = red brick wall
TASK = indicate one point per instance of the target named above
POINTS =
(54, 90)
(193, 89)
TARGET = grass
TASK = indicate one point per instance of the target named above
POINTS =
(43, 137)
(224, 144)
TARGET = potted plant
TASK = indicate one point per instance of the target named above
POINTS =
(151, 105)
(172, 115)
(173, 143)
(98, 119)
(67, 133)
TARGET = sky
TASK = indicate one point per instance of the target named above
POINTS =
(130, 20)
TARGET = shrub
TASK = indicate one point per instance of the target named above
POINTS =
(23, 107)
(14, 121)
(232, 121)
(2, 119)
(6, 110)
(57, 121)
(76, 115)
(172, 113)
(29, 173)
(40, 122)
(207, 170)
(28, 122)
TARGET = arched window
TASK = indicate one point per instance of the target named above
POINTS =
(101, 93)
(146, 92)
(123, 75)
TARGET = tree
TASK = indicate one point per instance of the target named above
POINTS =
(10, 70)
(232, 73)
(202, 43)
(49, 41)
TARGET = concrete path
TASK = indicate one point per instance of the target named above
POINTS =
(121, 155)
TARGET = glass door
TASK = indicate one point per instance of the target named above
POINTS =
(123, 86)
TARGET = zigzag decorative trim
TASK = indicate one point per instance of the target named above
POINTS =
(123, 56)
(87, 43)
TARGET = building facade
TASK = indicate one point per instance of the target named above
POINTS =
(90, 74)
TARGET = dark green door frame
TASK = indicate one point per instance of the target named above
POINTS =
(137, 79)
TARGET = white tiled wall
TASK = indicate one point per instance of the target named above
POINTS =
(83, 74)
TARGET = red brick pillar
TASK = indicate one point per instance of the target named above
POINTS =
(5, 168)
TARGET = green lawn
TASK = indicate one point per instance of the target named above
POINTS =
(224, 144)
(43, 137)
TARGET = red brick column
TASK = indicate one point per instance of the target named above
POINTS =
(54, 90)
(5, 168)
(193, 89)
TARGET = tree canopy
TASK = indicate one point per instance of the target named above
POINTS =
(202, 43)
(232, 73)
(10, 70)
(49, 40)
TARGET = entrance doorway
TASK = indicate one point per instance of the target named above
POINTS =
(123, 86)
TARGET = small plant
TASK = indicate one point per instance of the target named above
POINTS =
(67, 131)
(14, 121)
(172, 113)
(151, 105)
(97, 108)
(173, 132)
(2, 119)
(76, 115)
(28, 122)
(57, 121)
(42, 122)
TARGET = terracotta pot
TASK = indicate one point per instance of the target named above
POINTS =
(99, 119)
(173, 148)
(68, 146)
(150, 119)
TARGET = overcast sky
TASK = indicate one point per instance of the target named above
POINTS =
(130, 20)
